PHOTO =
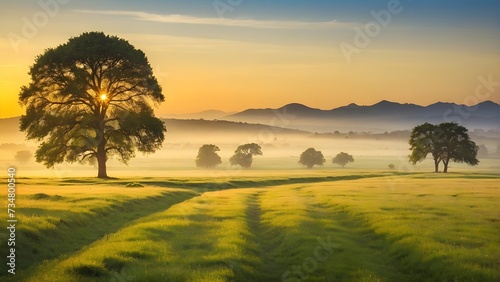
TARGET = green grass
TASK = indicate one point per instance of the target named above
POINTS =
(361, 227)
(62, 220)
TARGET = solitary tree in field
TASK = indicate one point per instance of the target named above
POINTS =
(92, 98)
(208, 157)
(342, 159)
(445, 142)
(311, 157)
(243, 155)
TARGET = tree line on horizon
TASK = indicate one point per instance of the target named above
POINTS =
(93, 98)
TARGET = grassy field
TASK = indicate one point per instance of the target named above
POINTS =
(318, 226)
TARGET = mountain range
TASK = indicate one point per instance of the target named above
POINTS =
(380, 117)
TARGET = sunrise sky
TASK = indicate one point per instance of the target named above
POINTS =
(239, 54)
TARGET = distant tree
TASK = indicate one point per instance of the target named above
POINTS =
(208, 157)
(92, 98)
(23, 156)
(446, 142)
(311, 157)
(342, 159)
(243, 155)
(391, 166)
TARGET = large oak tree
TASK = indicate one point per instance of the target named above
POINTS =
(92, 98)
(445, 142)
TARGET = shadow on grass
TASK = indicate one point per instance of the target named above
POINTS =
(248, 183)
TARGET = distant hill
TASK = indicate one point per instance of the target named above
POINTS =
(382, 116)
(297, 119)
(196, 129)
(182, 130)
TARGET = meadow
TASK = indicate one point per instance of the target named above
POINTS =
(260, 225)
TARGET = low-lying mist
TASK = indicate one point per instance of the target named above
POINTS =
(281, 150)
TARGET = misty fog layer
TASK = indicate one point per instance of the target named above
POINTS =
(281, 150)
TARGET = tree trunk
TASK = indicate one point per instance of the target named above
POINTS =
(436, 166)
(445, 169)
(101, 162)
(101, 152)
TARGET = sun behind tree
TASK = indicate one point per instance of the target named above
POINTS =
(90, 99)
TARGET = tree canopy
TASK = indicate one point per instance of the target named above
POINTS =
(243, 155)
(342, 159)
(208, 157)
(89, 99)
(311, 157)
(445, 142)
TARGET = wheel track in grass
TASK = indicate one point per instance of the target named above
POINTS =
(263, 238)
(268, 241)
